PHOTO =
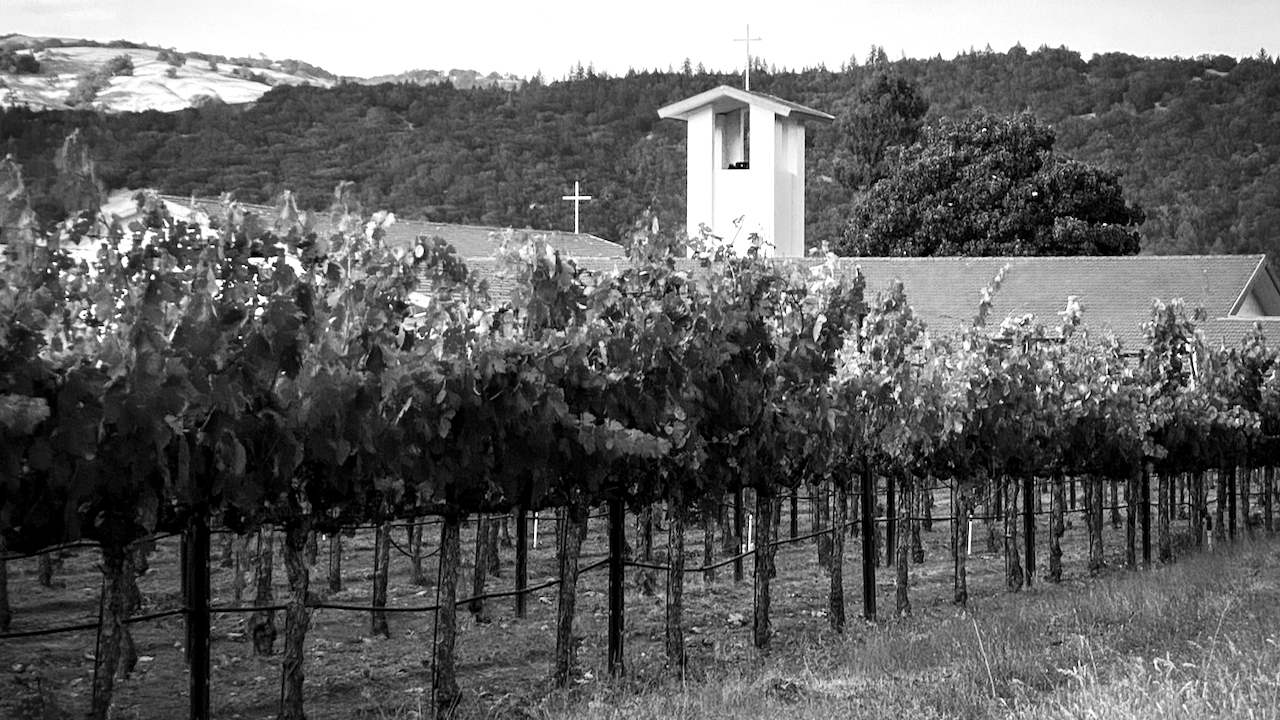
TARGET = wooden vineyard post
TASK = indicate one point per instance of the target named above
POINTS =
(821, 508)
(572, 520)
(1131, 518)
(926, 504)
(312, 549)
(262, 623)
(1246, 489)
(476, 606)
(1219, 529)
(44, 574)
(890, 518)
(522, 561)
(959, 524)
(1202, 501)
(1230, 473)
(381, 561)
(1269, 497)
(112, 632)
(1057, 526)
(617, 583)
(676, 658)
(297, 619)
(645, 577)
(994, 512)
(481, 566)
(918, 506)
(775, 506)
(198, 618)
(1198, 509)
(417, 575)
(868, 543)
(709, 507)
(444, 680)
(1163, 518)
(1093, 511)
(184, 573)
(1144, 509)
(1193, 508)
(902, 552)
(738, 522)
(6, 612)
(492, 554)
(1013, 565)
(1029, 524)
(851, 515)
(763, 541)
(835, 599)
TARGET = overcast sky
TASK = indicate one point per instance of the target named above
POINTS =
(370, 37)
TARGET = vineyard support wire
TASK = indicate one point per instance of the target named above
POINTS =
(485, 596)
(91, 626)
(432, 519)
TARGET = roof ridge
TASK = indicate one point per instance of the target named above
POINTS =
(1052, 258)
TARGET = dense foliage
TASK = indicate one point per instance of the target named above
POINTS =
(990, 185)
(1191, 139)
(248, 376)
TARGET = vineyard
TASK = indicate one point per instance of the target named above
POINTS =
(242, 391)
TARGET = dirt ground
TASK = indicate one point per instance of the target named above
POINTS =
(504, 663)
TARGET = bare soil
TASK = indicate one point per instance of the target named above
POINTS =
(504, 662)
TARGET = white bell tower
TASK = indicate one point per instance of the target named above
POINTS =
(746, 167)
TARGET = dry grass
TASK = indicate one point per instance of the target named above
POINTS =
(1198, 639)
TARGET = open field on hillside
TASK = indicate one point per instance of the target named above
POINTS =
(1048, 650)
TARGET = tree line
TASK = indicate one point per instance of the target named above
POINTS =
(1189, 141)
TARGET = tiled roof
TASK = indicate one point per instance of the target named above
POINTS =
(475, 242)
(1116, 292)
(471, 241)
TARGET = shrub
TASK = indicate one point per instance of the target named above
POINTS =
(171, 56)
(119, 65)
(18, 63)
(87, 87)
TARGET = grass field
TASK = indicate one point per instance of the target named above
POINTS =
(1196, 639)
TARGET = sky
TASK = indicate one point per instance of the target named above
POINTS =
(363, 38)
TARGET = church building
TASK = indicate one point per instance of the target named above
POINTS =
(746, 167)
(746, 179)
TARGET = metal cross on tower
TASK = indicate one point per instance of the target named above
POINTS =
(577, 197)
(746, 73)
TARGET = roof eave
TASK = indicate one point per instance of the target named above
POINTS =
(1258, 269)
(684, 109)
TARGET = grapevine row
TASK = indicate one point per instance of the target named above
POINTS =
(248, 376)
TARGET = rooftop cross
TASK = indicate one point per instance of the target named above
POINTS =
(577, 197)
(746, 73)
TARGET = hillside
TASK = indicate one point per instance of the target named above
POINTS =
(1194, 141)
(158, 79)
(164, 80)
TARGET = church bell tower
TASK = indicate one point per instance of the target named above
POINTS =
(746, 167)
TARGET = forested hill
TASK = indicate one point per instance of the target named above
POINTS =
(1196, 141)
